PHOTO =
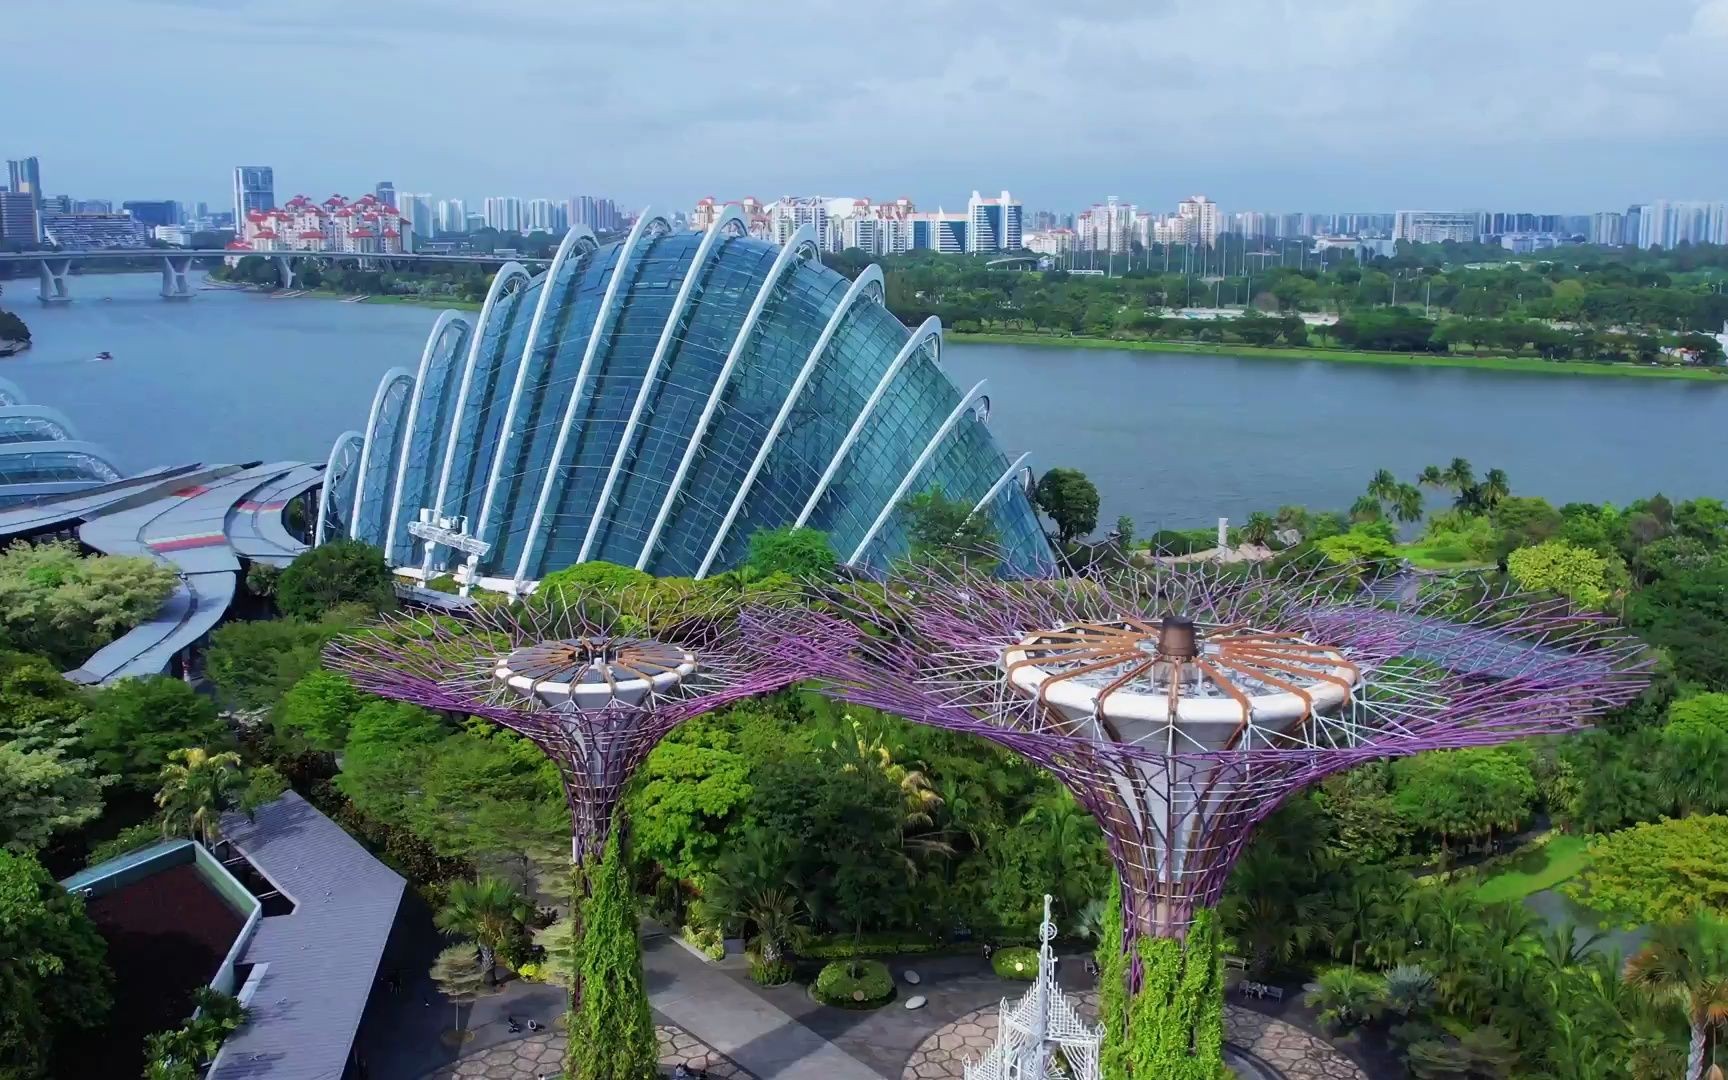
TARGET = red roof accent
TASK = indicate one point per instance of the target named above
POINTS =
(391, 232)
(188, 492)
(239, 245)
(362, 232)
(265, 234)
(311, 234)
(181, 543)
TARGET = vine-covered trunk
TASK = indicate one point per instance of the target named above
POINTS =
(1161, 1000)
(1695, 1051)
(611, 1030)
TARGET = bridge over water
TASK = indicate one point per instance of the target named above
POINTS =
(54, 267)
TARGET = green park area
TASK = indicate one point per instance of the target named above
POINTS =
(1561, 858)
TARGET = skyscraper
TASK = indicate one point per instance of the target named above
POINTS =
(452, 216)
(992, 224)
(417, 209)
(25, 176)
(254, 189)
(386, 192)
(20, 225)
(153, 211)
(504, 213)
(1200, 220)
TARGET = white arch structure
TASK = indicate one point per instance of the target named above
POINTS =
(391, 378)
(930, 330)
(869, 283)
(448, 322)
(578, 239)
(347, 441)
(731, 222)
(554, 464)
(1002, 482)
(972, 397)
(508, 274)
(801, 244)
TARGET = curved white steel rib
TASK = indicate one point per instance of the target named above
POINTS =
(930, 329)
(434, 343)
(602, 319)
(872, 276)
(509, 273)
(731, 216)
(390, 379)
(579, 237)
(801, 242)
(918, 466)
(1002, 482)
(344, 439)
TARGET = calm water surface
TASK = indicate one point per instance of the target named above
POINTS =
(1173, 441)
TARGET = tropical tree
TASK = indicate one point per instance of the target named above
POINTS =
(136, 723)
(1345, 997)
(1685, 966)
(491, 912)
(919, 834)
(1366, 508)
(1460, 476)
(196, 787)
(753, 887)
(459, 979)
(1071, 501)
(1432, 476)
(53, 982)
(801, 552)
(1409, 989)
(1258, 529)
(1494, 487)
(1383, 486)
(1406, 503)
(332, 575)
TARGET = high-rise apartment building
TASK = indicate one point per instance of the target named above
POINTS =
(1437, 226)
(1668, 224)
(1606, 229)
(504, 213)
(452, 216)
(941, 231)
(25, 176)
(1108, 226)
(385, 193)
(254, 191)
(366, 225)
(993, 224)
(20, 225)
(1200, 220)
(542, 216)
(417, 209)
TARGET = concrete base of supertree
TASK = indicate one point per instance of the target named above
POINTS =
(1161, 1000)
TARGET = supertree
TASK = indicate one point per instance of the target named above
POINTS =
(595, 682)
(1182, 704)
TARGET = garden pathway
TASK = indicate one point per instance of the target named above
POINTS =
(534, 1057)
(1287, 1048)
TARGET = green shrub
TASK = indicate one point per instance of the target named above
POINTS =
(707, 939)
(854, 984)
(770, 974)
(1016, 962)
(131, 838)
(1185, 542)
(444, 583)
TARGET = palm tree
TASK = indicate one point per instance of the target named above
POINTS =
(490, 911)
(1432, 477)
(1345, 997)
(1686, 965)
(918, 833)
(1407, 503)
(1496, 485)
(753, 886)
(1258, 529)
(1383, 486)
(1409, 989)
(196, 787)
(1459, 475)
(1366, 508)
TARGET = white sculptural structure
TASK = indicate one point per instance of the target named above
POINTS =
(1041, 1036)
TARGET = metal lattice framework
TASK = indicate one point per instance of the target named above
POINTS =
(594, 683)
(1182, 704)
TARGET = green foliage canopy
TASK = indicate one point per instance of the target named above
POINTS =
(56, 602)
(54, 984)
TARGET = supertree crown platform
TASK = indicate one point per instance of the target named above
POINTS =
(594, 682)
(1181, 705)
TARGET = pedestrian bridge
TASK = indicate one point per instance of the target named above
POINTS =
(54, 267)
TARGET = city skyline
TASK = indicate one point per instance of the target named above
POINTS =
(1343, 116)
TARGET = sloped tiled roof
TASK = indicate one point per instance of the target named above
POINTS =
(323, 957)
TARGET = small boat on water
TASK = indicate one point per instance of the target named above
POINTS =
(103, 355)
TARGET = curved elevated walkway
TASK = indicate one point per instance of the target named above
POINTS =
(255, 527)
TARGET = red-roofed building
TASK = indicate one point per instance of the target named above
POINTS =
(364, 225)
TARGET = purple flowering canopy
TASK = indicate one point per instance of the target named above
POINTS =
(594, 682)
(1182, 704)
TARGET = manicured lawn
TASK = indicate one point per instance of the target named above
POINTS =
(1561, 859)
(1422, 558)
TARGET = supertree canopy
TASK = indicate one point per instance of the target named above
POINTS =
(595, 683)
(1182, 704)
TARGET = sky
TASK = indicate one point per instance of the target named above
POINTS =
(1545, 105)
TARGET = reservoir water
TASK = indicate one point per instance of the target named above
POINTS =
(1172, 441)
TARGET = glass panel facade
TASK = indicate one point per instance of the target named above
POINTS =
(798, 306)
(39, 463)
(383, 449)
(424, 447)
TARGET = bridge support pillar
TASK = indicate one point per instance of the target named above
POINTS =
(52, 274)
(285, 271)
(176, 285)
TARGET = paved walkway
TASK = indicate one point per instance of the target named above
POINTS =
(534, 1057)
(1285, 1047)
(751, 1031)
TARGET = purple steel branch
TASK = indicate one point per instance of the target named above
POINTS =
(451, 663)
(1456, 665)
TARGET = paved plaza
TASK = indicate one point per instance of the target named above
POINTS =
(1286, 1048)
(538, 1056)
